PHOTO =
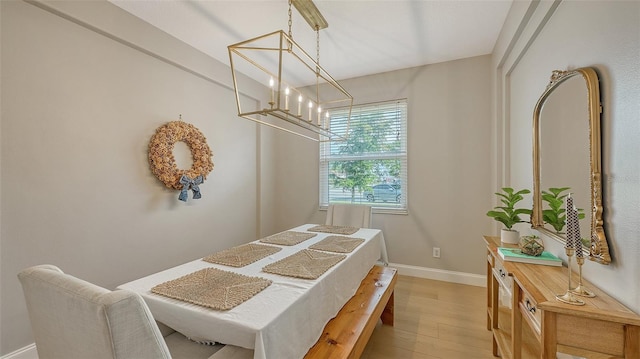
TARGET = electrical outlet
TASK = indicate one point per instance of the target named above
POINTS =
(436, 252)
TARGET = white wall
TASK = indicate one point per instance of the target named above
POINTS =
(449, 153)
(79, 106)
(80, 102)
(571, 34)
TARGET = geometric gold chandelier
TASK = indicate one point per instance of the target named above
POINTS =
(301, 93)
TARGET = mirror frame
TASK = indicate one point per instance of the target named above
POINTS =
(599, 249)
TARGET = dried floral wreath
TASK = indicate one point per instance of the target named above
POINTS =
(163, 164)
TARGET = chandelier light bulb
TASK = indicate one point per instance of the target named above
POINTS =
(271, 83)
(286, 99)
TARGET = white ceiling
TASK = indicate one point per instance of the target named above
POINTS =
(364, 36)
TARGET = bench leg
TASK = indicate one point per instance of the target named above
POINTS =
(387, 313)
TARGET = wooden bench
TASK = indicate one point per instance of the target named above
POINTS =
(346, 335)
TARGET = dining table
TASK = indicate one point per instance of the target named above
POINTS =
(284, 319)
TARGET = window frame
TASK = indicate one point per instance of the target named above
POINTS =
(325, 156)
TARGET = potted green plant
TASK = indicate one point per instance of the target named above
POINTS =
(555, 215)
(508, 214)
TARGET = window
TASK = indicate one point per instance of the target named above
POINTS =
(370, 166)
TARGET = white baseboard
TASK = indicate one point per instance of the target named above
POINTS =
(28, 352)
(477, 280)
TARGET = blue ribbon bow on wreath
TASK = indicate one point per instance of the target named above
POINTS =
(187, 184)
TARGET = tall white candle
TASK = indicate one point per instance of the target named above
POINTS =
(271, 83)
(310, 119)
(319, 115)
(286, 99)
(327, 119)
(299, 105)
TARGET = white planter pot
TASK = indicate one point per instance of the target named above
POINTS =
(509, 236)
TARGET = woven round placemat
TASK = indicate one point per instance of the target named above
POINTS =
(288, 238)
(213, 288)
(338, 244)
(307, 264)
(346, 230)
(241, 256)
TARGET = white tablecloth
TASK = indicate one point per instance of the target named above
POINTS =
(281, 322)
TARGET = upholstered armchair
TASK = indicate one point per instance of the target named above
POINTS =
(353, 215)
(71, 318)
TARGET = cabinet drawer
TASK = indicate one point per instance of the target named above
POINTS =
(530, 311)
(503, 276)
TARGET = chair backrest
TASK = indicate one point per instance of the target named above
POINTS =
(353, 215)
(71, 318)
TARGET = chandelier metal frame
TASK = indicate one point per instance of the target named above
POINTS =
(296, 80)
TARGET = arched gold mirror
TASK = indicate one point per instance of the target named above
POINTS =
(566, 157)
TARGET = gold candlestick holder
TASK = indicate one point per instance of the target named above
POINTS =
(580, 289)
(568, 297)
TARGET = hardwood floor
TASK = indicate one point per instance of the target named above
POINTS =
(434, 319)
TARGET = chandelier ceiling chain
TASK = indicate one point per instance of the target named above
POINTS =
(290, 22)
(294, 79)
(318, 45)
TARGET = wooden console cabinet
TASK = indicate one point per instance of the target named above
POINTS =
(528, 322)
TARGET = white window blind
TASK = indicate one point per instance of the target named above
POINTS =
(370, 167)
